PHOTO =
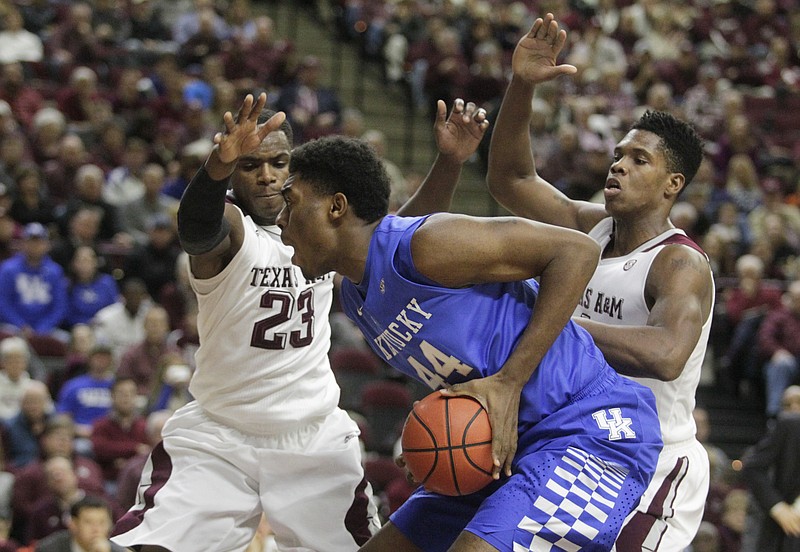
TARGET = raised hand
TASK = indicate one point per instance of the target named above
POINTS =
(535, 56)
(458, 136)
(243, 134)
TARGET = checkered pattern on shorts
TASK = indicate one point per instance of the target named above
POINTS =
(574, 505)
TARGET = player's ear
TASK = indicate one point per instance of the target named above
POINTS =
(675, 184)
(339, 206)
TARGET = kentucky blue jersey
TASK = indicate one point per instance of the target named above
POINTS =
(588, 439)
(442, 335)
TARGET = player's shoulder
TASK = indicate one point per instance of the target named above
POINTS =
(679, 264)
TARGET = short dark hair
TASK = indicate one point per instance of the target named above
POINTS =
(339, 164)
(89, 501)
(682, 146)
(285, 126)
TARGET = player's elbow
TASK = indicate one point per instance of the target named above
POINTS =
(669, 366)
(584, 252)
(504, 184)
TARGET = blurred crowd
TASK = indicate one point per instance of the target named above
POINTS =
(108, 107)
(730, 67)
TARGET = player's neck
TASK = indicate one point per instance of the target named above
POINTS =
(628, 235)
(353, 262)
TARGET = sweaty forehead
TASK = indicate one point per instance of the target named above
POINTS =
(275, 142)
(640, 139)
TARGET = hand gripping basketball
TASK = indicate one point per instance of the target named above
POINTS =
(447, 444)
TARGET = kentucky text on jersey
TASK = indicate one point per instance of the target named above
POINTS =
(608, 305)
(393, 339)
(279, 277)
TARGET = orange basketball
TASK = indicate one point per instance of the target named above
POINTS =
(447, 444)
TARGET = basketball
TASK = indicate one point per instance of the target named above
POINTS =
(447, 444)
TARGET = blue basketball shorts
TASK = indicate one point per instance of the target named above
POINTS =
(578, 473)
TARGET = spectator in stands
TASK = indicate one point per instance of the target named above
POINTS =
(31, 203)
(23, 98)
(189, 23)
(720, 472)
(192, 157)
(47, 128)
(259, 61)
(779, 343)
(57, 439)
(76, 359)
(447, 70)
(121, 433)
(15, 355)
(88, 527)
(21, 434)
(773, 204)
(594, 53)
(486, 81)
(141, 361)
(12, 159)
(149, 36)
(742, 183)
(707, 538)
(16, 42)
(170, 389)
(33, 294)
(129, 102)
(745, 306)
(130, 473)
(48, 514)
(177, 297)
(204, 41)
(89, 182)
(154, 262)
(87, 397)
(738, 136)
(313, 110)
(121, 324)
(732, 520)
(399, 195)
(137, 215)
(80, 97)
(65, 173)
(73, 43)
(124, 182)
(732, 227)
(83, 229)
(770, 470)
(89, 289)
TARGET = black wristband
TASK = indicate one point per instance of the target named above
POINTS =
(201, 222)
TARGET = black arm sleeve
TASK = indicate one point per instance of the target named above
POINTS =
(201, 224)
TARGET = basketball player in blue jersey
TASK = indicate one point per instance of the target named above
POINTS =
(265, 433)
(649, 303)
(451, 301)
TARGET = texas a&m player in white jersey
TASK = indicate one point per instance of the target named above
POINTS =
(264, 433)
(650, 301)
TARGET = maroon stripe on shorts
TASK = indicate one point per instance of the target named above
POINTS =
(162, 468)
(639, 527)
(358, 515)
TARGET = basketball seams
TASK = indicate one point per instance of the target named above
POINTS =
(450, 456)
(456, 464)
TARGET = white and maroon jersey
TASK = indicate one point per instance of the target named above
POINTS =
(615, 295)
(262, 365)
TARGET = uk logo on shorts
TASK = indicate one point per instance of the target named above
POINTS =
(617, 426)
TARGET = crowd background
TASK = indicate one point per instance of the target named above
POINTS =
(107, 108)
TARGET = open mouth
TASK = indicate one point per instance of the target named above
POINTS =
(613, 184)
